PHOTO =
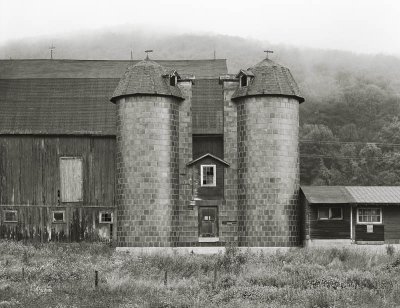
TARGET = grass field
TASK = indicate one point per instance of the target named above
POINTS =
(62, 275)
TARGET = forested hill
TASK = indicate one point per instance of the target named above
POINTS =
(350, 130)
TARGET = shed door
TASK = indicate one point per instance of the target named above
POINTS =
(71, 179)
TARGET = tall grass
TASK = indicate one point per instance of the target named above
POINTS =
(62, 275)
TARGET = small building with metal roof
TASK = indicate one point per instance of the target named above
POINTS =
(351, 214)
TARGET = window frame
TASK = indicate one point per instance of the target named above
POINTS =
(369, 222)
(214, 238)
(57, 212)
(330, 213)
(106, 222)
(173, 80)
(244, 80)
(10, 211)
(214, 184)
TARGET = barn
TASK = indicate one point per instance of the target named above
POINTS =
(350, 215)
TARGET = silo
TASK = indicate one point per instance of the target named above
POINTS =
(147, 177)
(268, 157)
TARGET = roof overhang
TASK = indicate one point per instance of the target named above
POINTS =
(208, 155)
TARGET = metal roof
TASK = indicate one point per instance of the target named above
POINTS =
(72, 96)
(270, 78)
(352, 194)
(326, 194)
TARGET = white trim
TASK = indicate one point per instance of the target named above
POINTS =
(370, 222)
(10, 211)
(106, 222)
(214, 176)
(208, 239)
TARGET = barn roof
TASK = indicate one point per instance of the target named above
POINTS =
(72, 96)
(269, 78)
(352, 194)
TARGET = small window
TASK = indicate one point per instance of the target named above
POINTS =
(10, 216)
(172, 80)
(243, 81)
(369, 216)
(58, 216)
(208, 175)
(336, 213)
(106, 217)
(330, 213)
(208, 222)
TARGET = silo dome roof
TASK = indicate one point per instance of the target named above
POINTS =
(146, 77)
(269, 78)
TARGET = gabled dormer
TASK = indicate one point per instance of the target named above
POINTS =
(245, 77)
(208, 177)
(173, 77)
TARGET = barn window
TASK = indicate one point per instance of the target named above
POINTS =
(369, 216)
(243, 81)
(330, 213)
(208, 222)
(58, 216)
(106, 217)
(208, 175)
(10, 216)
(71, 179)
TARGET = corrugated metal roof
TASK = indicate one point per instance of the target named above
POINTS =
(352, 194)
(375, 194)
(270, 78)
(326, 194)
(72, 96)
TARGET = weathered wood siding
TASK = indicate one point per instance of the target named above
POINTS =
(31, 182)
(329, 229)
(208, 144)
(30, 169)
(36, 223)
(377, 236)
(391, 219)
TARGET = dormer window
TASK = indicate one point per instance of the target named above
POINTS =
(243, 81)
(208, 175)
(172, 80)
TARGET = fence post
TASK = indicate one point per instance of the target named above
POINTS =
(166, 278)
(96, 278)
(215, 276)
(23, 273)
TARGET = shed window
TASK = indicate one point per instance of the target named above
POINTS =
(208, 175)
(243, 81)
(369, 216)
(106, 217)
(208, 222)
(71, 179)
(58, 216)
(330, 213)
(10, 216)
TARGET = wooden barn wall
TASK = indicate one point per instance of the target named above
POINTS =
(35, 223)
(30, 169)
(208, 144)
(329, 229)
(30, 183)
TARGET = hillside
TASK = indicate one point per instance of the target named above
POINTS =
(349, 127)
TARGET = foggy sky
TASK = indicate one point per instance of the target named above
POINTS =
(354, 25)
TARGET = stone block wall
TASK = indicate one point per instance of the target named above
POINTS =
(268, 171)
(147, 188)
